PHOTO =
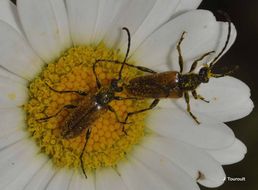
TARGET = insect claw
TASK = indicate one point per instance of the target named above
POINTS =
(84, 173)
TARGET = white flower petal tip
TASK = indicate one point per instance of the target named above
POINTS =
(174, 123)
(230, 155)
(146, 169)
(203, 34)
(229, 99)
(8, 14)
(109, 179)
(12, 94)
(194, 161)
(46, 26)
(16, 55)
(185, 5)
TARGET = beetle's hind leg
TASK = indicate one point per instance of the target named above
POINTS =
(198, 96)
(187, 100)
(153, 104)
(110, 108)
(87, 136)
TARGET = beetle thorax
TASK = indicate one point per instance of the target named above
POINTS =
(104, 96)
(188, 82)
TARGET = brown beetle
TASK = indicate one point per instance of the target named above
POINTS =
(173, 84)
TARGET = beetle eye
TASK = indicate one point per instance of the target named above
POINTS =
(203, 74)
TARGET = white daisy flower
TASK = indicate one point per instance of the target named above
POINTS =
(56, 42)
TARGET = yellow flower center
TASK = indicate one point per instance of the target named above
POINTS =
(107, 144)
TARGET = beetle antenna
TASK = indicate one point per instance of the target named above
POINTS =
(227, 41)
(127, 52)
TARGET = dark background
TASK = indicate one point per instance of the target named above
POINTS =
(244, 14)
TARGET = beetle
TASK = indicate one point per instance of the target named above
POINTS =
(92, 105)
(173, 84)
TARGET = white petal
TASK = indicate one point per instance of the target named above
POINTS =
(26, 175)
(230, 155)
(15, 78)
(12, 119)
(229, 99)
(136, 176)
(79, 182)
(61, 180)
(46, 26)
(16, 55)
(169, 175)
(12, 126)
(186, 5)
(12, 138)
(107, 12)
(12, 94)
(204, 34)
(132, 16)
(8, 14)
(41, 179)
(156, 17)
(82, 17)
(177, 124)
(109, 179)
(191, 159)
(15, 159)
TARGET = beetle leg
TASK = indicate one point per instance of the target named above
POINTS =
(195, 63)
(187, 100)
(144, 69)
(180, 57)
(153, 104)
(69, 106)
(198, 96)
(95, 74)
(117, 118)
(87, 136)
(82, 93)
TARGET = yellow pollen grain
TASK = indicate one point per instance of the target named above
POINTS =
(108, 144)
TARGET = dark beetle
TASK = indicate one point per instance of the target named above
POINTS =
(91, 106)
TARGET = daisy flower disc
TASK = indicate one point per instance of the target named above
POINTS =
(50, 46)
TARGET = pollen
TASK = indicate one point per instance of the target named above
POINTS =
(109, 141)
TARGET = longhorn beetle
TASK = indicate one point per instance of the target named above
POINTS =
(173, 84)
(91, 106)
